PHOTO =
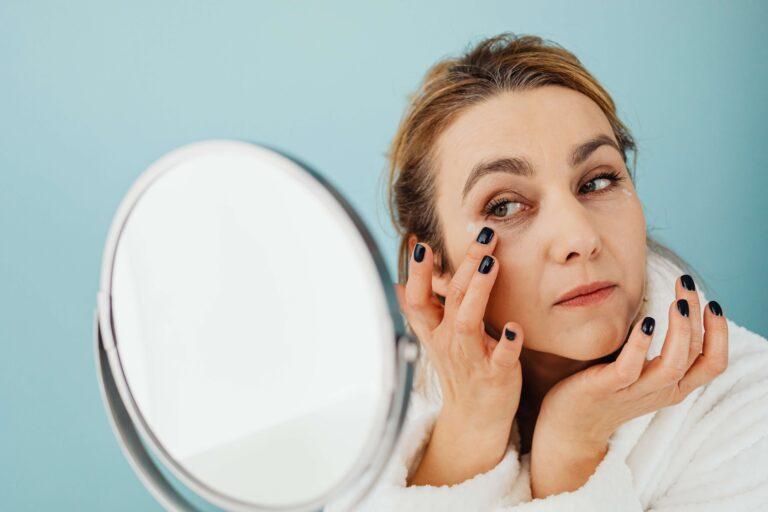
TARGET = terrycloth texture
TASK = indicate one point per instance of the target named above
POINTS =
(708, 453)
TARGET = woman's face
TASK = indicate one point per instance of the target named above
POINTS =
(558, 226)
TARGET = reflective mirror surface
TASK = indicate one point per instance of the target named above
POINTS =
(252, 326)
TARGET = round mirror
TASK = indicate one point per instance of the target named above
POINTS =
(248, 325)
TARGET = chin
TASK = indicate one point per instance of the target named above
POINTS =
(593, 342)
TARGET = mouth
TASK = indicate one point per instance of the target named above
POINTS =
(592, 294)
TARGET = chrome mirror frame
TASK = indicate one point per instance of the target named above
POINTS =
(128, 424)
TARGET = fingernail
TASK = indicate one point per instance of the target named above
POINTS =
(485, 236)
(715, 308)
(509, 334)
(648, 324)
(485, 265)
(688, 283)
(682, 307)
(418, 252)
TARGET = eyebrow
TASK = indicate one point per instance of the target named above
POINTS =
(520, 166)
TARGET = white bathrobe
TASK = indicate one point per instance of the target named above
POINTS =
(708, 453)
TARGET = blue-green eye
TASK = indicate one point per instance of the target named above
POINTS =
(611, 177)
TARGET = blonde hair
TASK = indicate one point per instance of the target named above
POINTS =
(505, 62)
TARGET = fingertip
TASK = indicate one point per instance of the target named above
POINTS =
(487, 264)
(419, 251)
(648, 325)
(507, 350)
(715, 308)
(512, 332)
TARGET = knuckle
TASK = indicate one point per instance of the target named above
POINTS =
(672, 373)
(438, 337)
(414, 300)
(506, 363)
(476, 251)
(463, 326)
(456, 292)
(474, 256)
(716, 367)
(697, 342)
(624, 376)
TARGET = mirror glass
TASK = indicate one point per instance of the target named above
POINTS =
(252, 327)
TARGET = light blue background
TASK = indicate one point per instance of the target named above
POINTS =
(91, 92)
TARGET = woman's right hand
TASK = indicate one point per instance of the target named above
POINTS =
(480, 377)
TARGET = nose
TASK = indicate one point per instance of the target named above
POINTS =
(573, 233)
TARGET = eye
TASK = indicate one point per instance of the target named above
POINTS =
(609, 178)
(502, 208)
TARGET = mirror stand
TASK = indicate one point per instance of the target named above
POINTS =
(130, 443)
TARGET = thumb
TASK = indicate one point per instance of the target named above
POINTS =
(506, 354)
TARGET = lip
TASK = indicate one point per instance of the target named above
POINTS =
(586, 294)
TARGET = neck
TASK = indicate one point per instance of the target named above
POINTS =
(542, 370)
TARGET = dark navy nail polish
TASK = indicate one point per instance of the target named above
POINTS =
(485, 265)
(715, 308)
(682, 307)
(418, 252)
(485, 236)
(688, 283)
(510, 334)
(648, 324)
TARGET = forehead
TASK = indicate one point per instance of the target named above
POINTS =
(542, 124)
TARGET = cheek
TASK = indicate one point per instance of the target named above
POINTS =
(625, 236)
(622, 219)
(514, 294)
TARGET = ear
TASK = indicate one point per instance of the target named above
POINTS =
(440, 281)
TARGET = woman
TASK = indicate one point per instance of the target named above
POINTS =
(569, 362)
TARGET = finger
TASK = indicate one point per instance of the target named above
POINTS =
(506, 354)
(629, 364)
(479, 247)
(669, 367)
(714, 359)
(422, 307)
(400, 294)
(468, 324)
(685, 288)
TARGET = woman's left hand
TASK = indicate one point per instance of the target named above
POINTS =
(579, 413)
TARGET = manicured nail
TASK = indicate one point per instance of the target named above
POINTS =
(418, 252)
(688, 283)
(682, 307)
(485, 265)
(715, 308)
(509, 334)
(485, 236)
(648, 324)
